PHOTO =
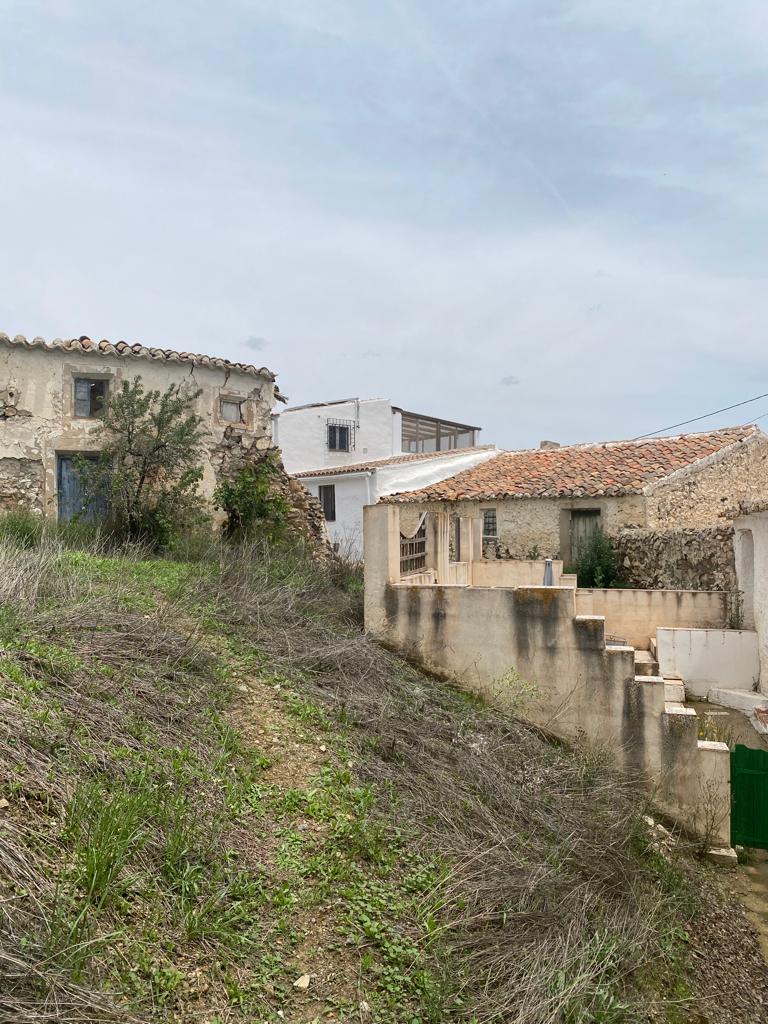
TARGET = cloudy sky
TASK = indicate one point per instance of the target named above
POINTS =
(548, 217)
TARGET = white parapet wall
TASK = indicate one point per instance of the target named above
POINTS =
(707, 658)
(635, 615)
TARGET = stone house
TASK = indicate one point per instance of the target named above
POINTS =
(52, 394)
(546, 502)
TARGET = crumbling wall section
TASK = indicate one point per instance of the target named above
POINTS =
(236, 452)
(21, 485)
(680, 559)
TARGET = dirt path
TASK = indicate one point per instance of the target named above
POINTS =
(751, 886)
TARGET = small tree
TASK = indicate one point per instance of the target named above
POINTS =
(597, 564)
(251, 504)
(149, 468)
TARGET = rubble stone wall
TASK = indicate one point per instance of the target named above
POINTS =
(680, 559)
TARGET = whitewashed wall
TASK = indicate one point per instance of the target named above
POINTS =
(302, 434)
(355, 490)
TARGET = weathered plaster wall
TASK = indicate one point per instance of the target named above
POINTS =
(698, 495)
(635, 615)
(678, 559)
(513, 572)
(751, 542)
(487, 639)
(38, 385)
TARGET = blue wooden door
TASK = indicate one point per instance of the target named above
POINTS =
(71, 498)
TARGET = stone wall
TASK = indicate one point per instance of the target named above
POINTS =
(684, 559)
(237, 451)
(21, 485)
(698, 495)
(532, 527)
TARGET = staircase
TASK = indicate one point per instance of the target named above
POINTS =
(647, 665)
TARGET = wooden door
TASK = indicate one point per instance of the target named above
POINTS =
(584, 524)
(70, 492)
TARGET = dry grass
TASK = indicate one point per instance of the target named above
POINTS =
(547, 907)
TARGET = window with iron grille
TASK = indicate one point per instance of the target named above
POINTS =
(413, 551)
(327, 495)
(490, 527)
(341, 435)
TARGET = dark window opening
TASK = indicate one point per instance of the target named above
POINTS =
(90, 397)
(327, 496)
(231, 410)
(341, 435)
(490, 526)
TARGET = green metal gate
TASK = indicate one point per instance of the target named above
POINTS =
(749, 797)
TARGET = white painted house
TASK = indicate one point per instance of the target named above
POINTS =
(352, 452)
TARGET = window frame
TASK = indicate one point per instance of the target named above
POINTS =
(490, 536)
(89, 379)
(226, 400)
(323, 491)
(334, 429)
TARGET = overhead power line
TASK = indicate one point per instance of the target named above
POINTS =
(696, 419)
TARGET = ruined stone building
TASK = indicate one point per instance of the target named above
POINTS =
(52, 395)
(661, 497)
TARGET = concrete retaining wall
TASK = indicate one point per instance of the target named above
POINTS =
(635, 615)
(706, 658)
(503, 643)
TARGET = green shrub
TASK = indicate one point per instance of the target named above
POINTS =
(252, 506)
(147, 473)
(597, 564)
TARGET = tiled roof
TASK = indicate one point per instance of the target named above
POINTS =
(122, 348)
(583, 470)
(394, 460)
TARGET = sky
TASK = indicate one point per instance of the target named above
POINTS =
(545, 217)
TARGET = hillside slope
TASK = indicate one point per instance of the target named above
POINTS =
(221, 802)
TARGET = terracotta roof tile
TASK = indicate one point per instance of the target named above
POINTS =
(122, 348)
(585, 470)
(394, 460)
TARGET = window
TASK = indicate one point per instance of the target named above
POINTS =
(231, 410)
(327, 496)
(490, 527)
(90, 397)
(341, 435)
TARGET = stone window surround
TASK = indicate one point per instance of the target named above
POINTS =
(73, 371)
(246, 410)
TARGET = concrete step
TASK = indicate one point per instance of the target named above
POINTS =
(645, 664)
(672, 707)
(741, 700)
(653, 648)
(674, 690)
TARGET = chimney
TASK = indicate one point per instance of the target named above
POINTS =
(549, 444)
